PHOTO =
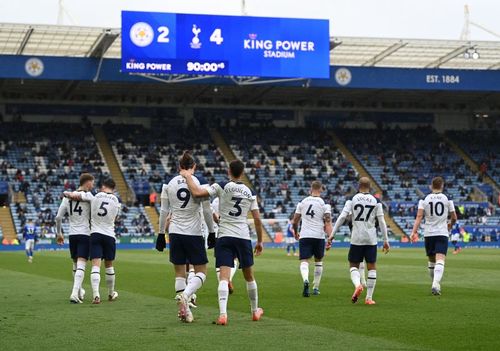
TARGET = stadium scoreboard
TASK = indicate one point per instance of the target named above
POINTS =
(168, 43)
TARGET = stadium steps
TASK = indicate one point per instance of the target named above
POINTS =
(7, 224)
(114, 168)
(470, 162)
(391, 223)
(154, 219)
(229, 156)
(19, 197)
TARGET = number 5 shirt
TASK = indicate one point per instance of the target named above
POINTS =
(364, 208)
(313, 210)
(436, 208)
(235, 201)
(104, 209)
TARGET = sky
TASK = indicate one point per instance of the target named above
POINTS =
(426, 19)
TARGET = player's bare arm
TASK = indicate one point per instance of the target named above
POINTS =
(258, 228)
(416, 225)
(196, 190)
(295, 224)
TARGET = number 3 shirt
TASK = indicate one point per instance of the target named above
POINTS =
(104, 209)
(364, 208)
(235, 201)
(436, 208)
(313, 210)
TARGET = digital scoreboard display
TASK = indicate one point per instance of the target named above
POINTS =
(168, 43)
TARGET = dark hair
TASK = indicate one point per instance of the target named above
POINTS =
(437, 183)
(186, 161)
(109, 183)
(237, 167)
(85, 177)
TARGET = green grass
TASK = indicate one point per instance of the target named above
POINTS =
(35, 312)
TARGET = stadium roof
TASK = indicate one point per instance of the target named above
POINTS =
(51, 40)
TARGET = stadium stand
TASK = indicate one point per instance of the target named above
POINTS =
(42, 161)
(281, 163)
(403, 160)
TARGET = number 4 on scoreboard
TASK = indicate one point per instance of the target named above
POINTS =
(216, 36)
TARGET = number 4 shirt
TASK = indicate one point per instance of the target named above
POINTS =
(364, 208)
(104, 209)
(313, 210)
(235, 201)
(436, 208)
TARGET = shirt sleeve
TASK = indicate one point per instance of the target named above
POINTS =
(215, 190)
(328, 209)
(421, 205)
(87, 196)
(348, 207)
(298, 210)
(164, 192)
(254, 205)
(451, 206)
(380, 210)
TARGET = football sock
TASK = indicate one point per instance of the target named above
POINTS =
(233, 270)
(438, 272)
(253, 295)
(74, 269)
(223, 296)
(431, 266)
(372, 280)
(355, 277)
(362, 273)
(304, 271)
(110, 279)
(180, 285)
(95, 280)
(190, 275)
(78, 278)
(194, 284)
(318, 271)
(217, 271)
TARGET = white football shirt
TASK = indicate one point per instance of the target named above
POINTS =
(104, 209)
(436, 208)
(313, 210)
(235, 201)
(186, 210)
(364, 208)
(78, 214)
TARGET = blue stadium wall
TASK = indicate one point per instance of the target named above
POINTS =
(86, 69)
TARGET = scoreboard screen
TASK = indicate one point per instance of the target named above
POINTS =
(168, 43)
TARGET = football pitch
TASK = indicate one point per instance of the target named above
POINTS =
(35, 312)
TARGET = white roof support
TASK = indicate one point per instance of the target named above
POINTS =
(385, 53)
(451, 55)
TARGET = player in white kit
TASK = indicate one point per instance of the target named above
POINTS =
(435, 209)
(316, 223)
(105, 206)
(187, 243)
(79, 235)
(216, 215)
(236, 201)
(366, 210)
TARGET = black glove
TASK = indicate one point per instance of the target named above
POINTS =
(161, 243)
(211, 240)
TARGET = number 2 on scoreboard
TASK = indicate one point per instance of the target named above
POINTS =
(216, 36)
